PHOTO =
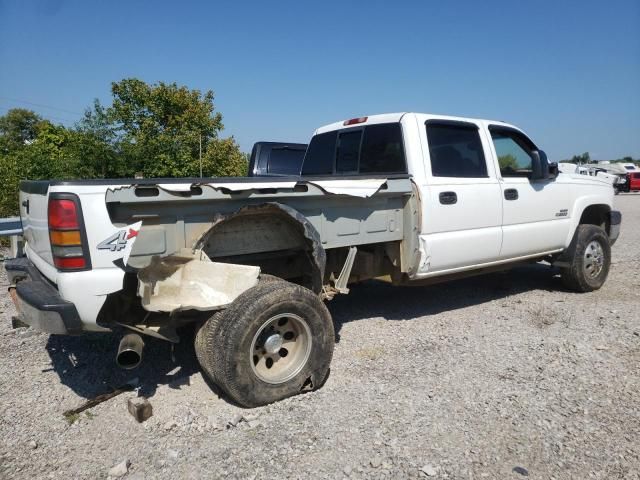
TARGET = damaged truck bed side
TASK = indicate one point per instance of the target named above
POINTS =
(410, 197)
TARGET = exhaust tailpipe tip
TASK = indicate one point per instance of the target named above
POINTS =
(129, 353)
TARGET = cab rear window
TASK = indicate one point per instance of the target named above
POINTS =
(370, 150)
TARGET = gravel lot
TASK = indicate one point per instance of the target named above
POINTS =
(502, 376)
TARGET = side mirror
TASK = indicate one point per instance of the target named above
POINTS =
(539, 165)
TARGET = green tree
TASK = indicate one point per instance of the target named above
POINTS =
(17, 129)
(158, 130)
(584, 158)
(161, 128)
(224, 159)
(508, 162)
(96, 142)
(52, 153)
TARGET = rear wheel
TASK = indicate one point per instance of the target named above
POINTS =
(274, 341)
(207, 328)
(589, 257)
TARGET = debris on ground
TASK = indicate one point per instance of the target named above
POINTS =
(120, 469)
(101, 398)
(140, 408)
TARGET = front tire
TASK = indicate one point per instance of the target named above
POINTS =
(274, 341)
(589, 257)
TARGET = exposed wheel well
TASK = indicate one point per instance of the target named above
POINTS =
(274, 237)
(597, 215)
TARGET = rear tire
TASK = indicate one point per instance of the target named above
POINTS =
(274, 341)
(205, 330)
(589, 258)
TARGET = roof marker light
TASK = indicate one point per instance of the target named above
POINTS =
(355, 121)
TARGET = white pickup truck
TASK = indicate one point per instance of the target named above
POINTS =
(409, 197)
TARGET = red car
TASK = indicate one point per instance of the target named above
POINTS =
(634, 181)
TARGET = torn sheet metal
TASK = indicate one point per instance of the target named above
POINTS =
(358, 188)
(234, 187)
(237, 187)
(191, 281)
(176, 187)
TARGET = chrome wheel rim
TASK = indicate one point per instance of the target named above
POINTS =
(280, 348)
(593, 259)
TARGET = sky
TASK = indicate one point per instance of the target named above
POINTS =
(567, 72)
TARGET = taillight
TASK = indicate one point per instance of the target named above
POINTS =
(63, 214)
(66, 233)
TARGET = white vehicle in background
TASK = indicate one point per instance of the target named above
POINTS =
(629, 167)
(615, 173)
(415, 197)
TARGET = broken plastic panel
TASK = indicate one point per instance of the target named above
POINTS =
(191, 281)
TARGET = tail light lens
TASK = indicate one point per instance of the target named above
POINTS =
(355, 121)
(66, 233)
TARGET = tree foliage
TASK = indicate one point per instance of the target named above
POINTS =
(157, 130)
(579, 159)
(17, 128)
(508, 162)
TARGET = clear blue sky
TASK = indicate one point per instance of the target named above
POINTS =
(568, 72)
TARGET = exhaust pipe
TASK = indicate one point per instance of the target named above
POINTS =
(130, 351)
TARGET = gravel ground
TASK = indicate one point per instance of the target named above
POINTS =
(502, 376)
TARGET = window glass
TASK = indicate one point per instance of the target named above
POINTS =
(348, 151)
(513, 159)
(374, 149)
(285, 161)
(382, 149)
(455, 150)
(514, 155)
(319, 157)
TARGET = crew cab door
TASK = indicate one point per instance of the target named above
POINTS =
(535, 213)
(461, 199)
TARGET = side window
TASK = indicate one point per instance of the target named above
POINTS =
(348, 151)
(374, 149)
(319, 157)
(513, 151)
(382, 149)
(455, 150)
(285, 161)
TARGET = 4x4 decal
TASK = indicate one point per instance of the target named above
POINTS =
(118, 241)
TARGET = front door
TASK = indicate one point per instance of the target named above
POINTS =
(535, 214)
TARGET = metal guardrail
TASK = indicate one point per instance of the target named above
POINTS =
(10, 226)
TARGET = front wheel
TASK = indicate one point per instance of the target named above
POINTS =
(589, 257)
(274, 341)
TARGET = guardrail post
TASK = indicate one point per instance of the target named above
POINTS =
(17, 244)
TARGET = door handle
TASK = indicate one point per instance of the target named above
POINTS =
(25, 204)
(448, 198)
(511, 194)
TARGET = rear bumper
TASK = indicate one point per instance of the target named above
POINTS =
(39, 302)
(615, 219)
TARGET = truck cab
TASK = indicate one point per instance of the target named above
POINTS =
(487, 193)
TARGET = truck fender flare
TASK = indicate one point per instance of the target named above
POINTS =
(315, 250)
(581, 204)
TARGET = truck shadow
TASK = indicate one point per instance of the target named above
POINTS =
(381, 299)
(86, 364)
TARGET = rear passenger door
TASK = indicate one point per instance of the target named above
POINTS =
(462, 205)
